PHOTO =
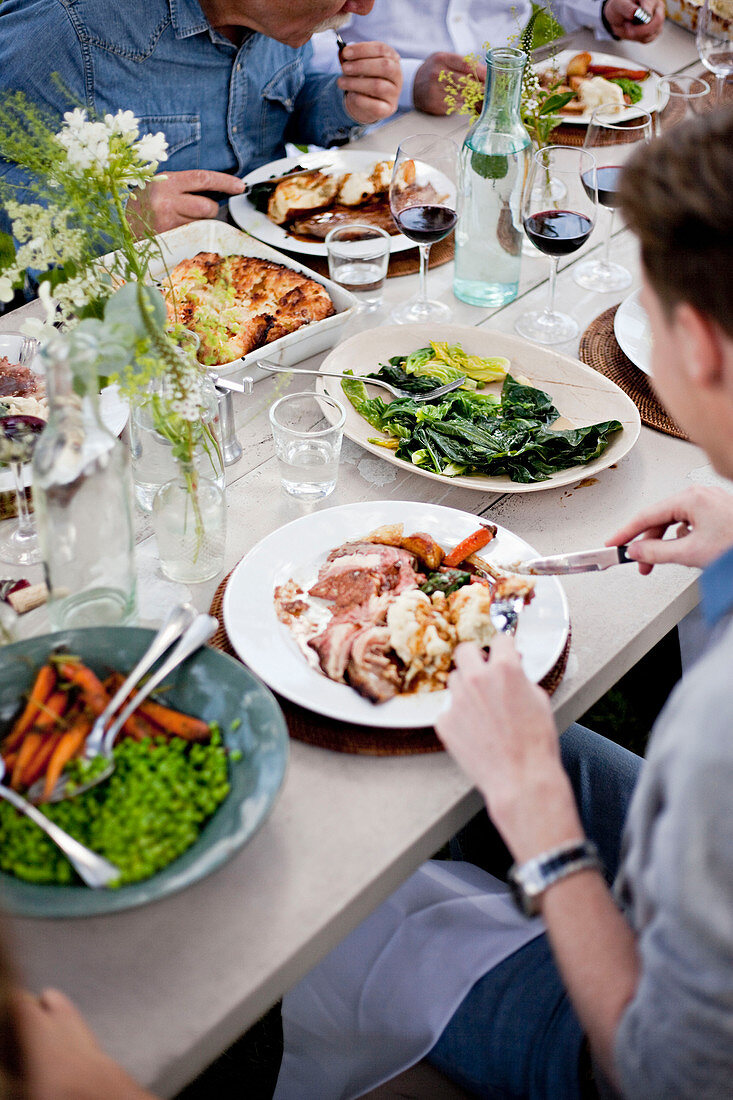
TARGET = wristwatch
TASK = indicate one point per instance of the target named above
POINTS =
(528, 881)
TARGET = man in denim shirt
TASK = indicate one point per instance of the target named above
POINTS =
(227, 81)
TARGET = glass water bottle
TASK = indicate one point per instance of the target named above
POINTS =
(494, 164)
(82, 491)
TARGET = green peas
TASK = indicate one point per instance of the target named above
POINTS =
(148, 813)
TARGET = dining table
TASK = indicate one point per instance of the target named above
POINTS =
(169, 985)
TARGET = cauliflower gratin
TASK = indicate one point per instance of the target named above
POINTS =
(235, 304)
(387, 611)
(313, 202)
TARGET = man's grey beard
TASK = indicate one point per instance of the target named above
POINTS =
(333, 23)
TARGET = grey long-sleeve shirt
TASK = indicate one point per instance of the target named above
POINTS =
(675, 1039)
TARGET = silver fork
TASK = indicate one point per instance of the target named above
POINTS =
(504, 613)
(420, 398)
(94, 869)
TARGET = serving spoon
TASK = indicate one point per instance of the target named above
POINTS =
(419, 398)
(94, 869)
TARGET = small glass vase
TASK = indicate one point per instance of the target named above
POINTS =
(160, 440)
(189, 520)
(82, 491)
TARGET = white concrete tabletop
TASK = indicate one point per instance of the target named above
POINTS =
(167, 987)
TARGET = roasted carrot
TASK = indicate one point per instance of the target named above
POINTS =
(174, 722)
(47, 718)
(43, 686)
(69, 745)
(37, 765)
(136, 726)
(89, 684)
(468, 546)
(615, 71)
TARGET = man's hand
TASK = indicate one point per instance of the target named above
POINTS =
(500, 729)
(371, 79)
(619, 13)
(175, 198)
(62, 1057)
(704, 519)
(428, 93)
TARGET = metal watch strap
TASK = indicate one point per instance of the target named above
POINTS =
(529, 880)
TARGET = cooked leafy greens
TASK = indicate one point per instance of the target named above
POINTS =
(446, 580)
(629, 87)
(473, 433)
(449, 361)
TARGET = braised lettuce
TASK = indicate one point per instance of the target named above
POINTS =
(472, 433)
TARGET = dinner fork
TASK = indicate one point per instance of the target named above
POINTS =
(504, 613)
(94, 869)
(419, 398)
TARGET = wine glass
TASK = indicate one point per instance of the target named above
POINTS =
(558, 212)
(612, 136)
(18, 435)
(714, 40)
(423, 198)
(679, 98)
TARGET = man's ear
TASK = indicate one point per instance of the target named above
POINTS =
(701, 342)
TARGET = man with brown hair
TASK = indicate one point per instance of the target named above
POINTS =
(639, 976)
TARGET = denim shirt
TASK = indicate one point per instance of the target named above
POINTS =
(221, 106)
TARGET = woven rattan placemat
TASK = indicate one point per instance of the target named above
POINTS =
(328, 733)
(599, 349)
(402, 263)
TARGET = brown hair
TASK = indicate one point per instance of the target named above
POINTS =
(11, 1069)
(676, 196)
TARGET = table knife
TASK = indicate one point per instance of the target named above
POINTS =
(585, 561)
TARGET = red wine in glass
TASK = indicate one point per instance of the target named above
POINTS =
(608, 176)
(558, 232)
(18, 436)
(426, 224)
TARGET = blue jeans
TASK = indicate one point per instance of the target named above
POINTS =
(516, 1035)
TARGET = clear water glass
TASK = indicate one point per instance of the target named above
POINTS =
(358, 257)
(307, 429)
(190, 529)
(714, 40)
(679, 98)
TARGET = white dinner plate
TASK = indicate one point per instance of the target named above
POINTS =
(299, 549)
(339, 160)
(112, 408)
(649, 88)
(581, 394)
(633, 332)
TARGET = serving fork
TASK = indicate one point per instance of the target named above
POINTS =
(94, 869)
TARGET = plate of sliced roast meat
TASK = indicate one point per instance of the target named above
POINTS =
(292, 203)
(354, 612)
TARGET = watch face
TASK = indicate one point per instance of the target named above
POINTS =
(526, 903)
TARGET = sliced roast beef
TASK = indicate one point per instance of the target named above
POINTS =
(333, 646)
(373, 669)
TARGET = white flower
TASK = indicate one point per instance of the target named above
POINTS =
(6, 289)
(152, 148)
(531, 105)
(123, 123)
(74, 120)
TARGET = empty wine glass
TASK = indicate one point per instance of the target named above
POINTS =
(18, 435)
(714, 41)
(612, 136)
(679, 98)
(558, 212)
(422, 198)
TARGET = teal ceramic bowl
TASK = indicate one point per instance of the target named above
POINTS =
(210, 685)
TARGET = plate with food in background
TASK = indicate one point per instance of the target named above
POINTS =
(23, 393)
(341, 186)
(599, 80)
(353, 612)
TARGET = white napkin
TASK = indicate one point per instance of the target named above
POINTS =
(378, 1003)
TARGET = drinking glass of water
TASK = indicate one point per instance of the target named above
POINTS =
(358, 257)
(307, 429)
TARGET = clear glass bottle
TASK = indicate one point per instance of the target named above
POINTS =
(494, 163)
(82, 491)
